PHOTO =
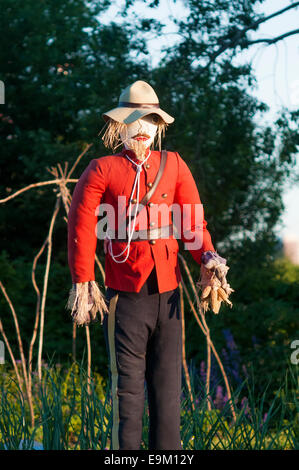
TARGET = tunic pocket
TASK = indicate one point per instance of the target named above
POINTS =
(172, 248)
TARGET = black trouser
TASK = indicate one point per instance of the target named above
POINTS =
(144, 343)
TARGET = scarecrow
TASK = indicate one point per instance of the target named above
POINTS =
(140, 312)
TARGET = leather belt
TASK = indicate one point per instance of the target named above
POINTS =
(149, 234)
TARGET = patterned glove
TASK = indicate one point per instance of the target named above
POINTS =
(213, 283)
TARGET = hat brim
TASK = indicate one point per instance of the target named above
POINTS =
(129, 115)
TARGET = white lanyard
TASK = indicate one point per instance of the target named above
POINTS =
(131, 229)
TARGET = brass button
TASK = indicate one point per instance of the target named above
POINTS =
(150, 185)
(152, 242)
(152, 224)
(147, 166)
(150, 204)
(164, 195)
(133, 201)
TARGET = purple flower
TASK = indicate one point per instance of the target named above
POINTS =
(219, 399)
(229, 339)
(232, 360)
(244, 405)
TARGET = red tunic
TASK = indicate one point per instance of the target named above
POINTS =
(102, 182)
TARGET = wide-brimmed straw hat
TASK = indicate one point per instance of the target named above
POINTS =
(135, 102)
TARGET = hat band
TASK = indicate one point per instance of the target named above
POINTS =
(126, 104)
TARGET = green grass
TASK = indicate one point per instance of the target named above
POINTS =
(67, 417)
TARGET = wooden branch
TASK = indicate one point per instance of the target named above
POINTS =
(185, 367)
(66, 164)
(87, 330)
(78, 159)
(65, 195)
(42, 313)
(241, 33)
(66, 198)
(11, 355)
(100, 267)
(182, 259)
(208, 375)
(207, 386)
(60, 170)
(214, 352)
(273, 40)
(19, 338)
(35, 327)
(35, 185)
(74, 337)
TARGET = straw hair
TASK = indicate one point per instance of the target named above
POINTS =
(111, 137)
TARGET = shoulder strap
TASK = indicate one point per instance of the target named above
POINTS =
(150, 193)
